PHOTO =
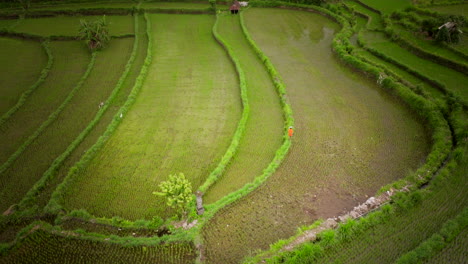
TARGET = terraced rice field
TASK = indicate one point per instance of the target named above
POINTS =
(455, 252)
(58, 249)
(69, 26)
(74, 117)
(100, 127)
(171, 128)
(47, 98)
(386, 242)
(17, 74)
(460, 9)
(263, 132)
(455, 81)
(340, 151)
(76, 178)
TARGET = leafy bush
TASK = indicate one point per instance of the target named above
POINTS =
(178, 193)
(95, 33)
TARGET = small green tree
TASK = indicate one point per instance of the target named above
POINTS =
(178, 193)
(95, 33)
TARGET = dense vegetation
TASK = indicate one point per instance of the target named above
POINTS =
(376, 94)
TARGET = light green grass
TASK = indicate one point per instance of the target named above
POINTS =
(428, 45)
(461, 9)
(455, 81)
(402, 73)
(70, 25)
(264, 128)
(100, 127)
(375, 21)
(68, 124)
(6, 23)
(351, 138)
(182, 121)
(175, 5)
(74, 6)
(70, 61)
(387, 6)
(45, 247)
(22, 63)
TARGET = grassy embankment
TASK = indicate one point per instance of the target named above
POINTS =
(263, 130)
(18, 74)
(338, 155)
(181, 122)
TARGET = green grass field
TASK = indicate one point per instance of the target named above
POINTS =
(44, 247)
(388, 6)
(17, 73)
(181, 122)
(461, 9)
(375, 21)
(264, 128)
(62, 78)
(175, 5)
(455, 81)
(101, 126)
(428, 45)
(70, 25)
(341, 148)
(385, 243)
(68, 124)
(182, 97)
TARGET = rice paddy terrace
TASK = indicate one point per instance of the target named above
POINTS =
(377, 110)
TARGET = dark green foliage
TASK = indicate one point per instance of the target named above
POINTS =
(95, 33)
(430, 26)
(443, 35)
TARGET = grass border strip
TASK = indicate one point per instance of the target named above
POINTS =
(233, 147)
(437, 242)
(420, 52)
(27, 93)
(34, 191)
(280, 154)
(440, 86)
(51, 117)
(54, 206)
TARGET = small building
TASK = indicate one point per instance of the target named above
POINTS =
(235, 7)
(451, 26)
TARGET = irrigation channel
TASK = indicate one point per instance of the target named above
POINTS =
(351, 138)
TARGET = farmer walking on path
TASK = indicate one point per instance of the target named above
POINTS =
(290, 131)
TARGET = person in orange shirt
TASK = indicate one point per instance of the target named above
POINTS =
(290, 131)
